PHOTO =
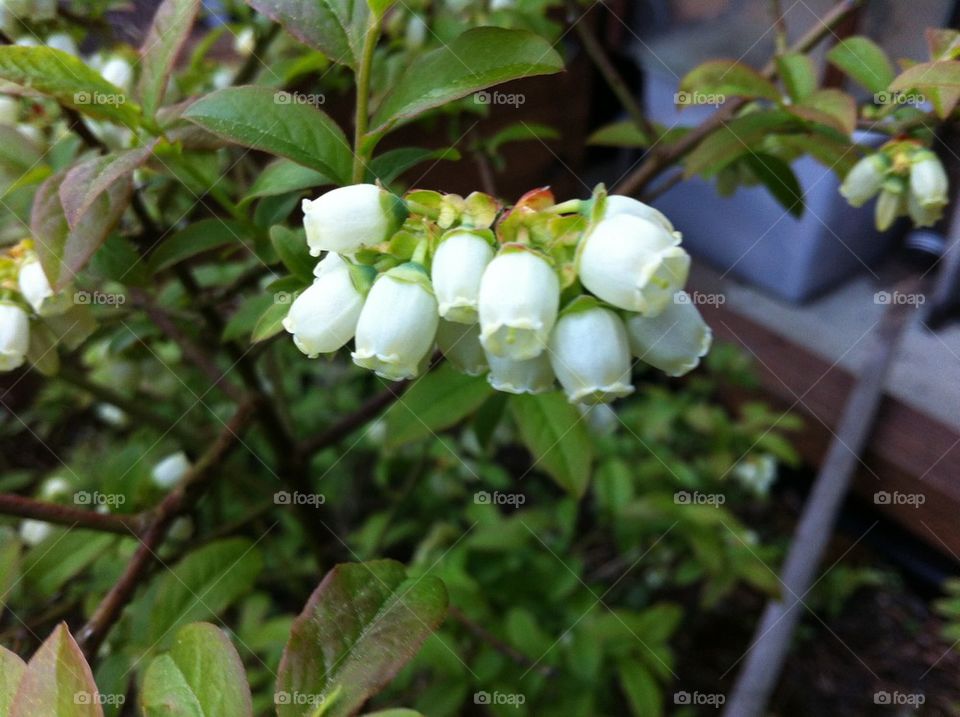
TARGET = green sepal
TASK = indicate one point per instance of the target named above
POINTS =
(361, 276)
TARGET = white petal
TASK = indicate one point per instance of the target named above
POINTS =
(590, 354)
(619, 204)
(458, 267)
(460, 344)
(530, 376)
(674, 341)
(348, 218)
(324, 316)
(170, 470)
(14, 336)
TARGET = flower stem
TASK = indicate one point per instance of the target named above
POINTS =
(363, 98)
(571, 206)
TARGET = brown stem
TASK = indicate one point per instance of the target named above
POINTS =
(181, 499)
(665, 156)
(23, 507)
(498, 644)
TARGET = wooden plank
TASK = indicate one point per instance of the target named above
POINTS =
(911, 467)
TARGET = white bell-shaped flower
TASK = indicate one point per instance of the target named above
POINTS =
(323, 318)
(518, 303)
(62, 41)
(398, 324)
(458, 266)
(244, 42)
(170, 470)
(460, 345)
(590, 353)
(923, 215)
(928, 180)
(891, 204)
(632, 263)
(14, 336)
(330, 262)
(38, 292)
(530, 376)
(349, 218)
(9, 109)
(674, 341)
(118, 72)
(864, 180)
(619, 204)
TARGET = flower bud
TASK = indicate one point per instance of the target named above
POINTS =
(34, 532)
(632, 263)
(890, 205)
(530, 376)
(590, 353)
(118, 72)
(864, 180)
(458, 267)
(324, 316)
(674, 341)
(244, 42)
(460, 345)
(170, 470)
(9, 109)
(14, 336)
(620, 204)
(54, 488)
(38, 292)
(398, 324)
(348, 218)
(63, 42)
(928, 180)
(518, 302)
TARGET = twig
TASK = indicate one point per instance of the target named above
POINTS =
(498, 644)
(348, 424)
(664, 157)
(779, 26)
(613, 78)
(23, 507)
(180, 500)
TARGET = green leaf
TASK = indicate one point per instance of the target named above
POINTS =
(11, 670)
(17, 152)
(830, 107)
(57, 681)
(643, 693)
(779, 179)
(360, 626)
(270, 322)
(291, 247)
(202, 585)
(85, 182)
(202, 675)
(245, 318)
(390, 165)
(196, 238)
(335, 27)
(864, 61)
(64, 250)
(68, 80)
(624, 133)
(928, 74)
(169, 30)
(943, 43)
(49, 565)
(253, 117)
(282, 176)
(831, 153)
(520, 132)
(479, 58)
(41, 351)
(798, 74)
(712, 82)
(556, 435)
(440, 399)
(9, 567)
(379, 7)
(737, 137)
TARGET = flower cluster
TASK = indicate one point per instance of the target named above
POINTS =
(32, 315)
(909, 179)
(540, 293)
